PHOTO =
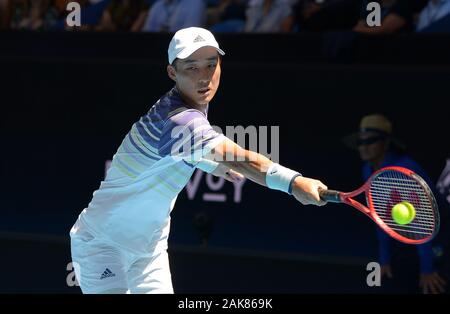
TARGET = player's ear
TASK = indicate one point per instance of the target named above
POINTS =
(172, 73)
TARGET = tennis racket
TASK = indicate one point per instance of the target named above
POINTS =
(386, 188)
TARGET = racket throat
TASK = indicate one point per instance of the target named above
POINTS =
(357, 205)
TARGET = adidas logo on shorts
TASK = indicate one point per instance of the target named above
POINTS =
(107, 273)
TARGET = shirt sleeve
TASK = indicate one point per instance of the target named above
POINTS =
(426, 256)
(188, 136)
(384, 247)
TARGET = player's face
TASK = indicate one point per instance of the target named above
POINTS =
(371, 146)
(198, 76)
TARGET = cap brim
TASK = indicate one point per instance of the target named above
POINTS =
(187, 52)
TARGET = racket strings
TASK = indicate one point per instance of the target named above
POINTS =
(392, 187)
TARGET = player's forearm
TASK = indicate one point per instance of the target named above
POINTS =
(261, 170)
(251, 165)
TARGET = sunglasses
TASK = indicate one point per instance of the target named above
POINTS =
(369, 140)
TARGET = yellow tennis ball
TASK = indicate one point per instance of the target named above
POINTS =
(403, 213)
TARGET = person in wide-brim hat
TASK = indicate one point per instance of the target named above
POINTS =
(378, 147)
(374, 138)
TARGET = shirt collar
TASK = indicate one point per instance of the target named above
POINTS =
(177, 94)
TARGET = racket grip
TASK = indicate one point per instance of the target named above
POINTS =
(331, 196)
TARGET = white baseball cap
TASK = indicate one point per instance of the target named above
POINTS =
(188, 40)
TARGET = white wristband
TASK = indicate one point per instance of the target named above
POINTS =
(207, 165)
(280, 178)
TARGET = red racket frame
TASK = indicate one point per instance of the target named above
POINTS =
(369, 210)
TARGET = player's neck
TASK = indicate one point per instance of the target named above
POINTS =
(190, 103)
(199, 107)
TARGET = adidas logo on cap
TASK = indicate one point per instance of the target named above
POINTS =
(198, 38)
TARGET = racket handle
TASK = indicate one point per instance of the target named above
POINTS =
(331, 196)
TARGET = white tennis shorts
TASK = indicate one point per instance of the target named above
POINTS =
(100, 266)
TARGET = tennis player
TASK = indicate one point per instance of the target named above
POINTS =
(119, 242)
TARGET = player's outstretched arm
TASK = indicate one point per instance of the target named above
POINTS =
(263, 171)
(227, 173)
(219, 170)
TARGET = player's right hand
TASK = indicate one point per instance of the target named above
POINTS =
(306, 191)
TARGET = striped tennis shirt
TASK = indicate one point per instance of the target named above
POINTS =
(156, 159)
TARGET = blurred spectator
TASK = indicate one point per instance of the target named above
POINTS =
(378, 148)
(443, 184)
(61, 6)
(5, 14)
(19, 14)
(434, 11)
(172, 15)
(323, 15)
(396, 16)
(443, 237)
(123, 15)
(34, 15)
(269, 16)
(227, 16)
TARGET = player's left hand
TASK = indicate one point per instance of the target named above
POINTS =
(228, 174)
(432, 283)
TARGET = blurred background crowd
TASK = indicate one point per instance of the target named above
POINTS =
(260, 16)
